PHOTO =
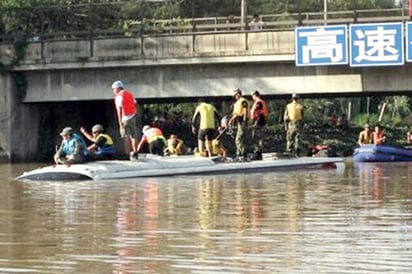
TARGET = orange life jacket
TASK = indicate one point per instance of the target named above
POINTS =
(377, 138)
(254, 112)
(152, 134)
(129, 104)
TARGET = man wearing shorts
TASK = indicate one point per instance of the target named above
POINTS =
(207, 127)
(126, 110)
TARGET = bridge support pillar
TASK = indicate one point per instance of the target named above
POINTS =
(18, 123)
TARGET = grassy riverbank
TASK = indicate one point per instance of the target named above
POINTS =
(341, 141)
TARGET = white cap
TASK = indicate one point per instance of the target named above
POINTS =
(97, 128)
(146, 127)
(117, 84)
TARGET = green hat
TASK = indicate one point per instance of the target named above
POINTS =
(66, 131)
(237, 91)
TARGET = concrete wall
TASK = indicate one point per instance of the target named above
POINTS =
(153, 50)
(5, 115)
(164, 81)
(18, 123)
(187, 81)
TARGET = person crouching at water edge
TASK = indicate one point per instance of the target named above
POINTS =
(218, 149)
(72, 150)
(175, 146)
(102, 147)
(154, 137)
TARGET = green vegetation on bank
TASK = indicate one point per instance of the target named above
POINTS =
(80, 15)
(396, 120)
(393, 113)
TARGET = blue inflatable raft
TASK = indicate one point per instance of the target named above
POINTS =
(374, 153)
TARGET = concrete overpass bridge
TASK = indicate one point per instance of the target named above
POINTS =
(189, 65)
(69, 79)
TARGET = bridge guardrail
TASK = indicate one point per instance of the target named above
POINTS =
(207, 36)
(275, 22)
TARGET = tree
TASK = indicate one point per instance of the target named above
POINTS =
(397, 106)
(336, 5)
(75, 15)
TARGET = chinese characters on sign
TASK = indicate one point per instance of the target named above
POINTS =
(321, 46)
(376, 44)
(369, 45)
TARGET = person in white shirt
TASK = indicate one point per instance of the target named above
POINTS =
(256, 23)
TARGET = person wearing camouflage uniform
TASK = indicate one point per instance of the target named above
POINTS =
(240, 117)
(293, 118)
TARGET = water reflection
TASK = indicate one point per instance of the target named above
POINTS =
(127, 220)
(209, 200)
(356, 221)
(382, 181)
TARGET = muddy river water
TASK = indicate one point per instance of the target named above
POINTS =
(352, 220)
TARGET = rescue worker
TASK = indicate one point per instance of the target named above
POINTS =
(207, 114)
(240, 118)
(378, 136)
(258, 113)
(72, 150)
(175, 146)
(293, 118)
(218, 149)
(365, 136)
(153, 136)
(127, 112)
(102, 147)
(409, 137)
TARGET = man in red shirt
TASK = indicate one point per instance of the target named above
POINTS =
(378, 136)
(126, 109)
